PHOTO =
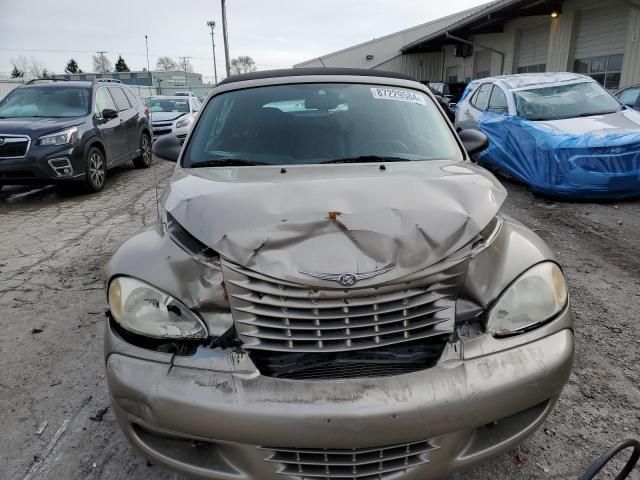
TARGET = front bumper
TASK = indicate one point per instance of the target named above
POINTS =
(159, 131)
(467, 409)
(39, 166)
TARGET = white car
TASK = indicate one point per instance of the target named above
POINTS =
(172, 115)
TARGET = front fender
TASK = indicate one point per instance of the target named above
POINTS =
(515, 250)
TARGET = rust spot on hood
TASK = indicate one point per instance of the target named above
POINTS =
(334, 216)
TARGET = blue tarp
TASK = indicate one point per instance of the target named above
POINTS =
(600, 164)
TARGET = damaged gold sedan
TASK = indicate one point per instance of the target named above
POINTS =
(331, 292)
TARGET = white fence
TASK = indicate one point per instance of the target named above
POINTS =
(7, 85)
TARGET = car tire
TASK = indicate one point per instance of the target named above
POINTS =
(144, 160)
(96, 170)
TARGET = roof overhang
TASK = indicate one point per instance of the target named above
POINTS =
(490, 20)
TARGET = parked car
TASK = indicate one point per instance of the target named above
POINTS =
(444, 103)
(71, 132)
(172, 114)
(630, 96)
(563, 134)
(331, 292)
(450, 91)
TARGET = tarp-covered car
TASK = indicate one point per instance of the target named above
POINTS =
(331, 292)
(563, 134)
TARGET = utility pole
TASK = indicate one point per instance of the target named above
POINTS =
(104, 68)
(184, 65)
(212, 25)
(225, 38)
(146, 41)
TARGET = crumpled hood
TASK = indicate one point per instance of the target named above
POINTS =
(166, 116)
(335, 219)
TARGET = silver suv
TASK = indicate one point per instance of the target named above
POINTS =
(331, 292)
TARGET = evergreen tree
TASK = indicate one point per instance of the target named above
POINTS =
(45, 74)
(72, 66)
(16, 72)
(121, 65)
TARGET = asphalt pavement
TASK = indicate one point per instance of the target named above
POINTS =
(54, 407)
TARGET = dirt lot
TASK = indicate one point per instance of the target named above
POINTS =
(53, 248)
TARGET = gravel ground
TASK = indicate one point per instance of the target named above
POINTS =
(53, 397)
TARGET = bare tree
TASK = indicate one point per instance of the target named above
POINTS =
(36, 68)
(243, 64)
(102, 64)
(166, 64)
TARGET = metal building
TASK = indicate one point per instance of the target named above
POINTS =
(599, 38)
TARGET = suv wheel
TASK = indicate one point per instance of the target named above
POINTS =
(144, 160)
(96, 170)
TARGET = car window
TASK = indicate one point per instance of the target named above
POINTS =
(46, 101)
(498, 101)
(104, 101)
(121, 100)
(480, 99)
(133, 99)
(317, 123)
(160, 104)
(630, 96)
(565, 101)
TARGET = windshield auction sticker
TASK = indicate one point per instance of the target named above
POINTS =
(398, 95)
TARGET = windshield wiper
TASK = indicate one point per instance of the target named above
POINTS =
(227, 162)
(368, 159)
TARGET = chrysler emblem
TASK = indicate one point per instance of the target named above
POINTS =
(346, 279)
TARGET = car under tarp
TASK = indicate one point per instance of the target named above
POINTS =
(557, 160)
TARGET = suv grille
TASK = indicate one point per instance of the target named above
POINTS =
(280, 316)
(14, 147)
(362, 463)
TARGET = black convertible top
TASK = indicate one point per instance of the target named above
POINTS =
(299, 72)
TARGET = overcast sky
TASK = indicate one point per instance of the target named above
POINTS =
(276, 33)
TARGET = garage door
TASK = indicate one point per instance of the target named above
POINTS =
(602, 31)
(533, 48)
(600, 43)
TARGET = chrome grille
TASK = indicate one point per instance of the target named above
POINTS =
(361, 464)
(14, 146)
(279, 316)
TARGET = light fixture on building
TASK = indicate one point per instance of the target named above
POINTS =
(369, 57)
(554, 14)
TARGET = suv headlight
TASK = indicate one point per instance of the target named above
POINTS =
(183, 122)
(533, 298)
(70, 135)
(142, 309)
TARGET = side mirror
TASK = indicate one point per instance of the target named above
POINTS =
(473, 141)
(109, 114)
(167, 148)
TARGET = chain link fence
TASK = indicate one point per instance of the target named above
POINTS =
(199, 91)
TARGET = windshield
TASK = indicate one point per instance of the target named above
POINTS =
(169, 105)
(58, 102)
(565, 101)
(318, 123)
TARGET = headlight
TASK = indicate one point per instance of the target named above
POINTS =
(70, 135)
(142, 309)
(184, 122)
(535, 297)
